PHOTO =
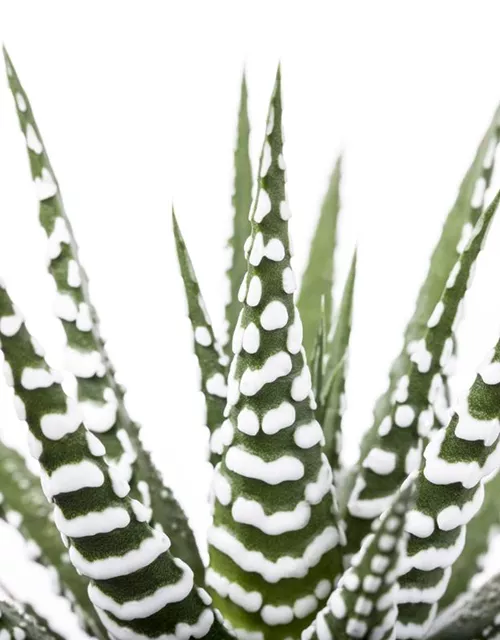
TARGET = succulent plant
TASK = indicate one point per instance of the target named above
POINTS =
(300, 546)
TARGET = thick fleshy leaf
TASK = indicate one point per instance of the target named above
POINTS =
(100, 397)
(242, 200)
(364, 604)
(138, 588)
(317, 281)
(23, 504)
(18, 623)
(465, 211)
(275, 537)
(477, 612)
(210, 357)
(331, 403)
(419, 399)
(480, 531)
(450, 492)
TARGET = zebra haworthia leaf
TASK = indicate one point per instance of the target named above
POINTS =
(481, 532)
(465, 212)
(100, 397)
(17, 623)
(138, 588)
(419, 398)
(317, 281)
(209, 354)
(331, 404)
(274, 545)
(450, 492)
(242, 200)
(22, 502)
(364, 604)
(477, 612)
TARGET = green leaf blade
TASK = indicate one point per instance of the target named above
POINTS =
(208, 352)
(317, 280)
(330, 403)
(241, 201)
(100, 396)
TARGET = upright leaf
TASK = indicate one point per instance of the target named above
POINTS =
(22, 498)
(318, 360)
(210, 357)
(479, 533)
(331, 403)
(478, 612)
(465, 212)
(242, 200)
(317, 280)
(138, 588)
(450, 492)
(274, 537)
(101, 398)
(364, 604)
(18, 623)
(419, 398)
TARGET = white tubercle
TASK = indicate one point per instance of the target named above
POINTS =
(289, 283)
(264, 202)
(251, 512)
(115, 566)
(45, 185)
(92, 523)
(74, 279)
(276, 366)
(315, 491)
(270, 122)
(147, 606)
(242, 291)
(490, 373)
(251, 338)
(283, 469)
(121, 487)
(55, 426)
(275, 250)
(478, 195)
(22, 106)
(284, 567)
(266, 162)
(257, 250)
(10, 325)
(419, 524)
(254, 291)
(301, 385)
(32, 140)
(380, 461)
(19, 407)
(404, 416)
(279, 418)
(216, 385)
(248, 600)
(420, 355)
(308, 435)
(60, 235)
(295, 334)
(202, 336)
(452, 278)
(436, 315)
(95, 446)
(100, 416)
(466, 235)
(276, 615)
(35, 447)
(454, 516)
(84, 364)
(65, 307)
(285, 212)
(221, 487)
(84, 320)
(274, 316)
(36, 378)
(248, 422)
(141, 512)
(72, 477)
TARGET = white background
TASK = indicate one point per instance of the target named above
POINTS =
(137, 105)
